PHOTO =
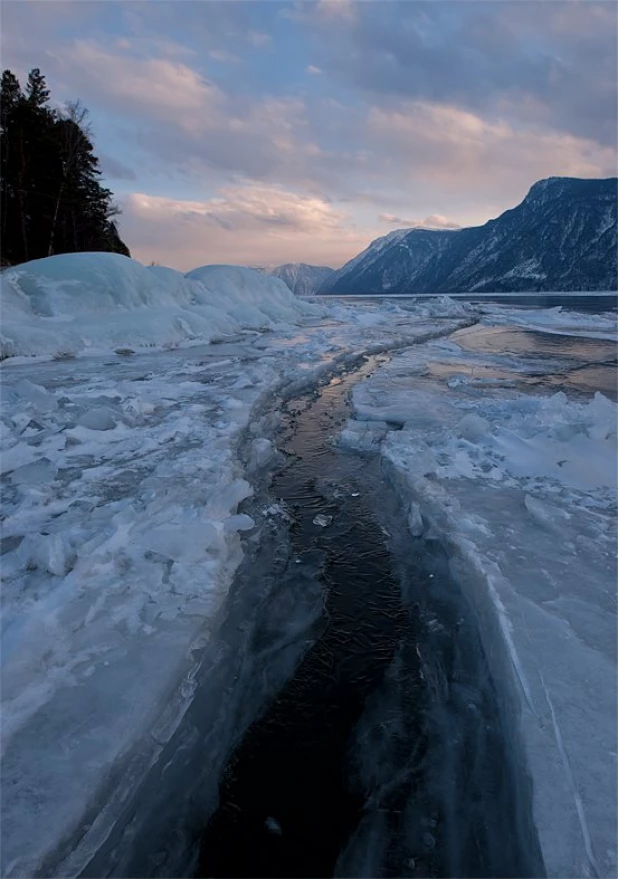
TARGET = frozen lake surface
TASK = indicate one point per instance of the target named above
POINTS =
(518, 480)
(385, 753)
(165, 583)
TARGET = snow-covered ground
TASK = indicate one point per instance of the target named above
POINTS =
(121, 525)
(520, 486)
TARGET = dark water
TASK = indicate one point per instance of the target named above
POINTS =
(289, 768)
(385, 753)
(590, 303)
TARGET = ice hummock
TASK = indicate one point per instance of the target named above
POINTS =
(92, 302)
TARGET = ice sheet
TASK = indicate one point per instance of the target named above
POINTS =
(560, 321)
(521, 489)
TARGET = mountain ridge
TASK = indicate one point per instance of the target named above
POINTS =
(561, 237)
(302, 279)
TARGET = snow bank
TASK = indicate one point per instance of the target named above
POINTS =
(94, 302)
(521, 490)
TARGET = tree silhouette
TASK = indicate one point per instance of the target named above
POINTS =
(52, 200)
(37, 92)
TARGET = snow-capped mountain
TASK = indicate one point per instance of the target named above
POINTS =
(302, 279)
(561, 237)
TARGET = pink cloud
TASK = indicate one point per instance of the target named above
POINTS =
(465, 151)
(245, 224)
(144, 86)
(435, 221)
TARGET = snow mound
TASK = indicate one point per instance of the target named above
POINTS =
(96, 302)
(253, 298)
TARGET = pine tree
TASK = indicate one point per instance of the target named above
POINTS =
(72, 134)
(10, 95)
(37, 92)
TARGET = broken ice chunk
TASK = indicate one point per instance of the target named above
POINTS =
(278, 510)
(35, 473)
(240, 522)
(53, 554)
(262, 453)
(472, 427)
(39, 396)
(415, 520)
(322, 520)
(550, 516)
(99, 418)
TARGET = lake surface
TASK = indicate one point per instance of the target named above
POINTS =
(361, 765)
(382, 692)
(595, 303)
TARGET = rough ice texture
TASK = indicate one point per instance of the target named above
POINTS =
(521, 489)
(121, 535)
(93, 302)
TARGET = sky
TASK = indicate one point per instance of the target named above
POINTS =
(260, 132)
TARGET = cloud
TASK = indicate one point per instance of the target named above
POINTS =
(549, 61)
(151, 87)
(258, 39)
(187, 120)
(115, 170)
(382, 147)
(435, 221)
(251, 205)
(458, 151)
(224, 26)
(223, 56)
(408, 154)
(336, 9)
(435, 110)
(244, 224)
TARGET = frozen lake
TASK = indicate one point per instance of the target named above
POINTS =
(392, 750)
(384, 633)
(595, 303)
(425, 682)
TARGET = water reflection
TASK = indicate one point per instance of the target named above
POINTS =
(542, 361)
(513, 340)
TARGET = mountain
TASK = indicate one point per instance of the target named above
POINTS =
(561, 237)
(303, 280)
